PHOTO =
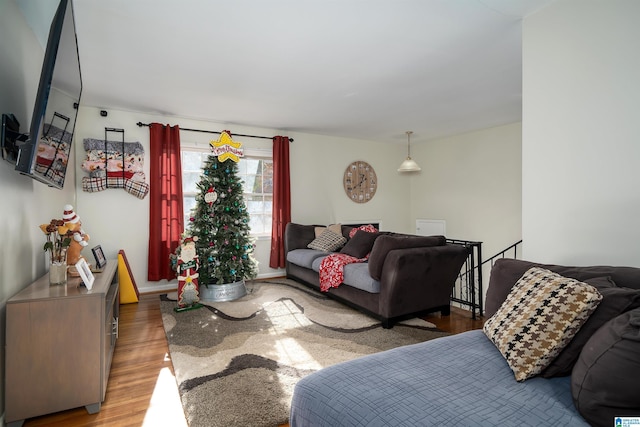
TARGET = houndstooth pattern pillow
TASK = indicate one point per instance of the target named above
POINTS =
(539, 317)
(328, 241)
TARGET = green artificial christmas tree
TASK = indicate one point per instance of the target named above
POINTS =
(221, 222)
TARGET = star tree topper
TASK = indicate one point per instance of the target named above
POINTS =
(225, 148)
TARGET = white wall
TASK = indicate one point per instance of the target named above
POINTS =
(581, 133)
(26, 203)
(117, 220)
(473, 182)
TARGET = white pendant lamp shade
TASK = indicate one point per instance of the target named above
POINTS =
(409, 165)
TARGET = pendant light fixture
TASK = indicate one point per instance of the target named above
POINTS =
(409, 165)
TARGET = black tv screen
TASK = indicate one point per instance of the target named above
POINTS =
(45, 154)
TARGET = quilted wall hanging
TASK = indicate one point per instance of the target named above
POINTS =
(114, 164)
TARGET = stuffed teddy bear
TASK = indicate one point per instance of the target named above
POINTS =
(79, 237)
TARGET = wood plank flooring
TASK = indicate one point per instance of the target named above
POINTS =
(142, 390)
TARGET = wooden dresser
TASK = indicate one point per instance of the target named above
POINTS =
(59, 345)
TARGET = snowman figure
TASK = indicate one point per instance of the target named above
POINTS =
(188, 264)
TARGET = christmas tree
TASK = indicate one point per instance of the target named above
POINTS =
(220, 219)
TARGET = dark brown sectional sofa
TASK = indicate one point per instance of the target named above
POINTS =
(405, 275)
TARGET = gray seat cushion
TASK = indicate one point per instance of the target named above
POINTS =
(304, 257)
(355, 275)
(315, 266)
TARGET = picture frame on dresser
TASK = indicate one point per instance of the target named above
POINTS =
(98, 254)
(85, 273)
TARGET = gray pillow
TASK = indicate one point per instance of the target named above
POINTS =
(605, 382)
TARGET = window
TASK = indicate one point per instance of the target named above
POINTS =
(255, 169)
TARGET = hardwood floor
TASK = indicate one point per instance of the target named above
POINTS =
(459, 321)
(142, 390)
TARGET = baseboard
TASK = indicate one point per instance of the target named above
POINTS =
(172, 286)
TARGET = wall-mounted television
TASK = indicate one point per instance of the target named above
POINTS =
(43, 153)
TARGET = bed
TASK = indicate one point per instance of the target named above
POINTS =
(458, 380)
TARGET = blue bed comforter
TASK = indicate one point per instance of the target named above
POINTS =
(460, 380)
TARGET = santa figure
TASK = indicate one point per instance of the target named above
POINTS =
(188, 264)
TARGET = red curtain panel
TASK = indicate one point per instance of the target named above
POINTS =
(166, 218)
(281, 200)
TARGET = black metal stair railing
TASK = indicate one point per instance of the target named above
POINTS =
(468, 289)
(503, 253)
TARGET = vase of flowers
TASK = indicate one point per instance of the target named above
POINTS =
(58, 241)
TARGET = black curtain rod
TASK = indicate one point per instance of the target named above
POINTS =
(140, 124)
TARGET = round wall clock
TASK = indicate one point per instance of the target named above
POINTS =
(360, 181)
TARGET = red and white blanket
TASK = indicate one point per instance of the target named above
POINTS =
(332, 270)
(332, 266)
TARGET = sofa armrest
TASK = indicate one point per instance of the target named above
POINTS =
(416, 279)
(298, 236)
(386, 243)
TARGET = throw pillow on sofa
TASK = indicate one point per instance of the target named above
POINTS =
(615, 301)
(539, 317)
(368, 228)
(359, 246)
(328, 241)
(605, 382)
(336, 228)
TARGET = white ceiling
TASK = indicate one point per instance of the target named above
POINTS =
(366, 69)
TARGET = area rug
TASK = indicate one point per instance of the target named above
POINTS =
(236, 363)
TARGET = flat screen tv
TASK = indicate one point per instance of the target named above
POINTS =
(44, 156)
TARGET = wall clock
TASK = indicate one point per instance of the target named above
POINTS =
(360, 181)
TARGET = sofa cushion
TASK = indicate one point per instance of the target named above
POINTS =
(315, 265)
(615, 301)
(539, 317)
(357, 276)
(304, 257)
(605, 382)
(505, 272)
(360, 245)
(386, 243)
(328, 241)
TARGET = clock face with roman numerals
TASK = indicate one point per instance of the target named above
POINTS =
(360, 181)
